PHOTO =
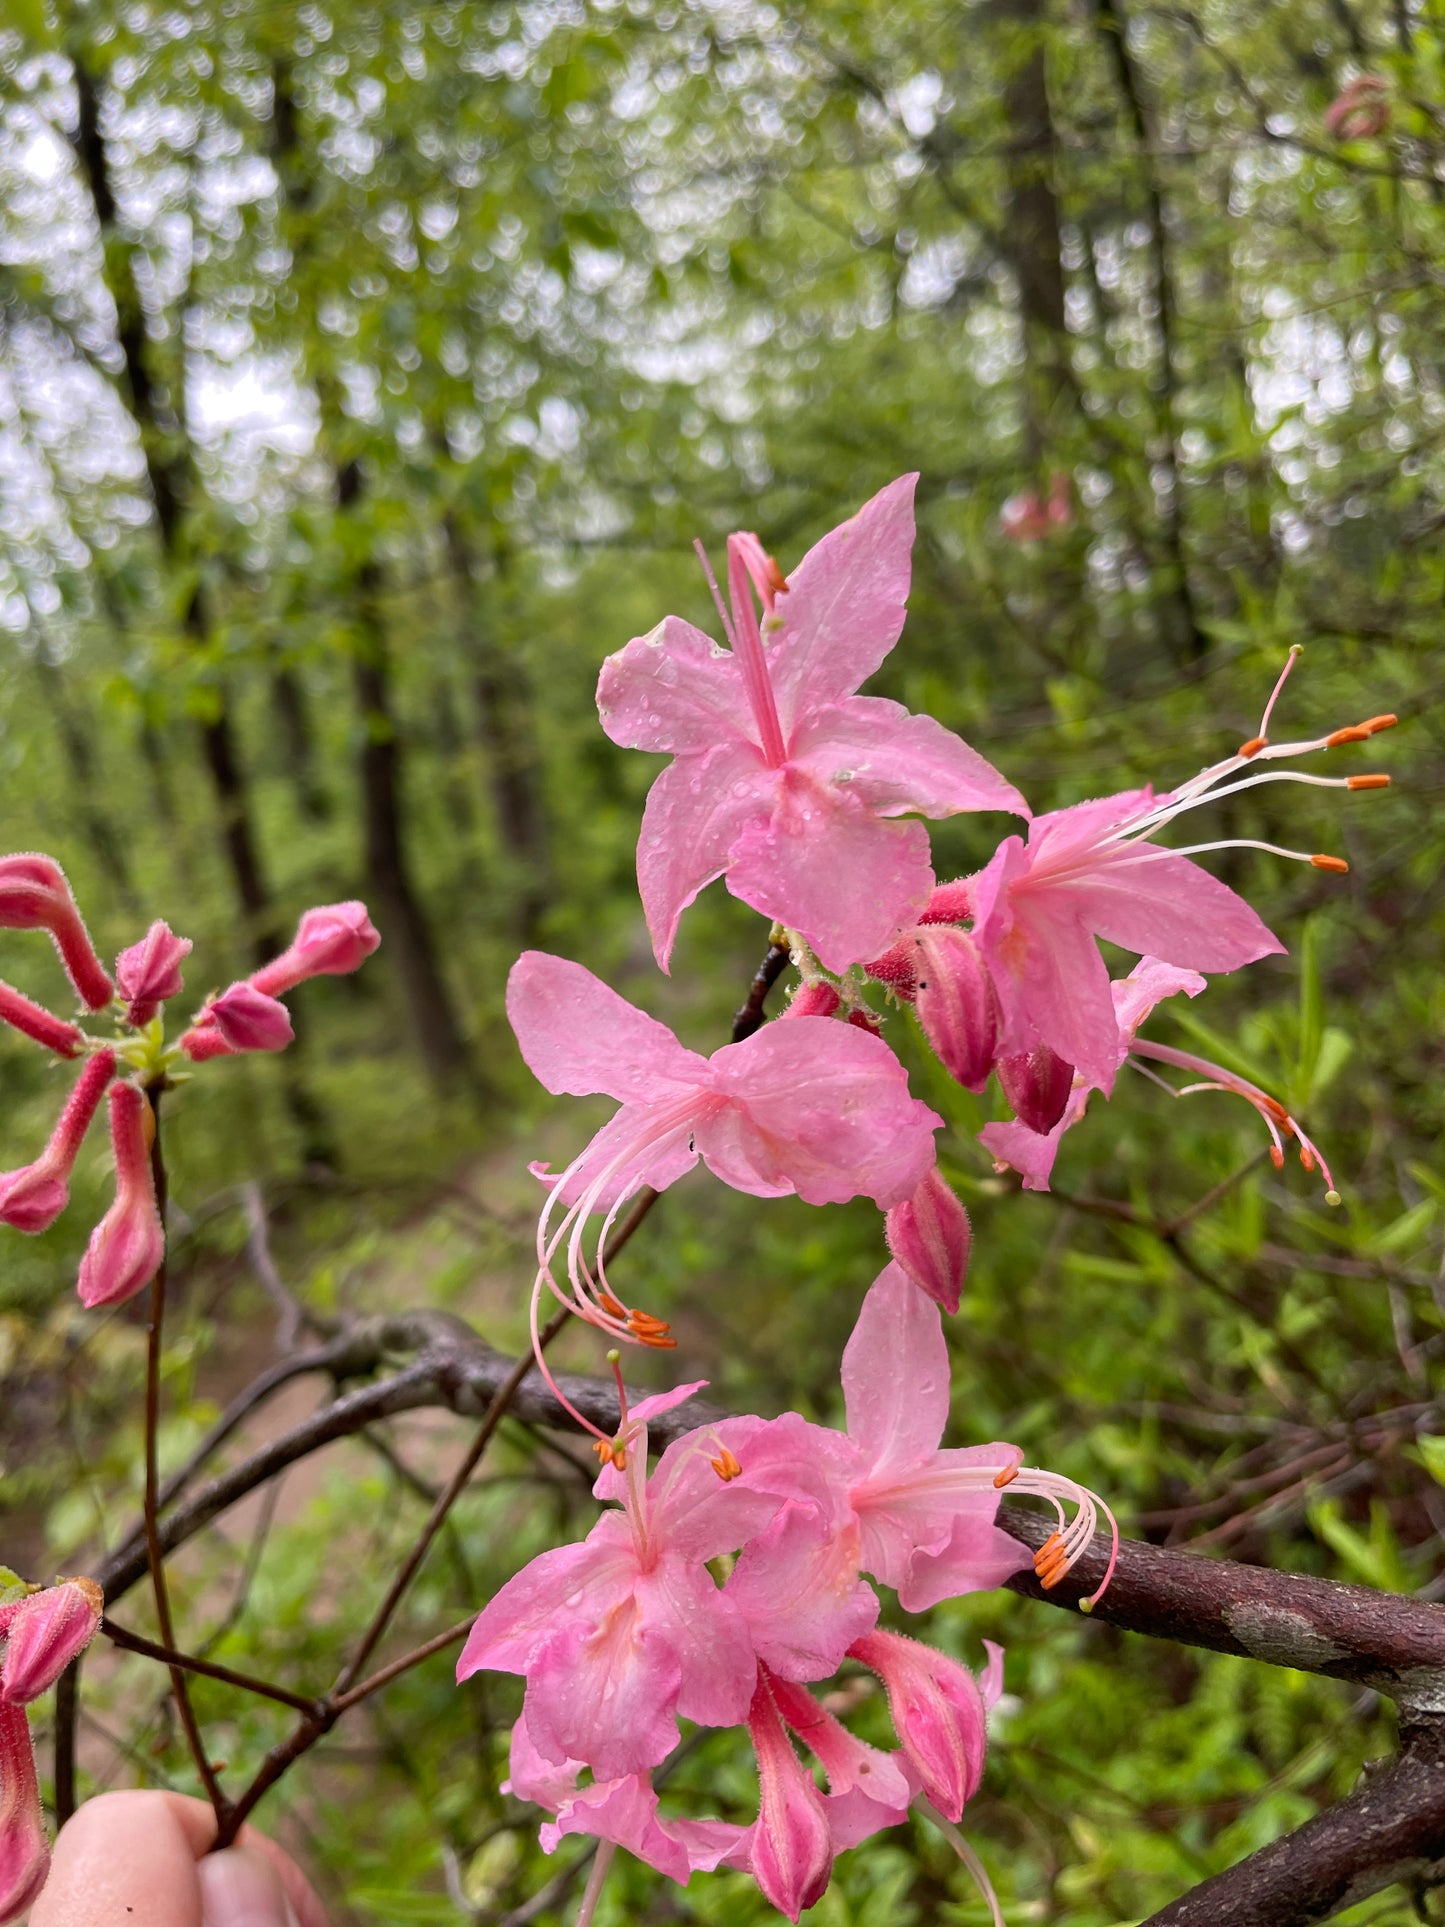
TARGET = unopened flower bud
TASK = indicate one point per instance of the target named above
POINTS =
(938, 1714)
(956, 1003)
(930, 1237)
(898, 968)
(331, 941)
(818, 999)
(1036, 1083)
(150, 972)
(248, 1019)
(1360, 110)
(792, 1851)
(37, 1022)
(34, 895)
(44, 1633)
(32, 1198)
(24, 1850)
(127, 1246)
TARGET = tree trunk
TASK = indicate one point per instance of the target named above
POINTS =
(298, 739)
(78, 748)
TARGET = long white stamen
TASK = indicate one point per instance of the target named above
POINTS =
(1295, 652)
(722, 609)
(967, 1855)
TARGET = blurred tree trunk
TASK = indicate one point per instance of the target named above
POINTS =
(396, 902)
(509, 735)
(298, 740)
(77, 746)
(170, 473)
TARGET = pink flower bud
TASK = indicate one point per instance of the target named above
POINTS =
(35, 1021)
(813, 1000)
(950, 903)
(1036, 1083)
(45, 1633)
(956, 1003)
(24, 1850)
(898, 968)
(931, 1238)
(150, 972)
(248, 1019)
(862, 1019)
(331, 941)
(34, 895)
(938, 1714)
(127, 1246)
(32, 1198)
(792, 1851)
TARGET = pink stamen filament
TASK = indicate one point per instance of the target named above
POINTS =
(967, 1855)
(1296, 651)
(749, 651)
(1074, 1538)
(1216, 1078)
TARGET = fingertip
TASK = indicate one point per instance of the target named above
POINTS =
(242, 1887)
(125, 1857)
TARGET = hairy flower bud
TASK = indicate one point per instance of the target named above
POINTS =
(37, 1022)
(24, 1850)
(32, 1198)
(930, 1237)
(44, 1632)
(950, 903)
(956, 1003)
(150, 972)
(34, 895)
(127, 1246)
(331, 941)
(938, 1714)
(813, 1000)
(792, 1851)
(1036, 1083)
(245, 1019)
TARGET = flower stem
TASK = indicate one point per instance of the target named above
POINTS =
(592, 1893)
(179, 1687)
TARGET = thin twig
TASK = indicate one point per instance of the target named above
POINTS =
(340, 1703)
(130, 1642)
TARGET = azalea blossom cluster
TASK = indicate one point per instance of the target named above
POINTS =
(127, 1246)
(41, 1631)
(621, 1636)
(808, 799)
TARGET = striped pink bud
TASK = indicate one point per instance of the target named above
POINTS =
(930, 1236)
(44, 1633)
(24, 1850)
(34, 895)
(127, 1246)
(150, 972)
(1036, 1083)
(956, 1003)
(331, 941)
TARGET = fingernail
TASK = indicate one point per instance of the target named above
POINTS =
(240, 1888)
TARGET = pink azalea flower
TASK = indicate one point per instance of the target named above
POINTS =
(33, 1198)
(1031, 1153)
(127, 1246)
(819, 1109)
(1093, 871)
(927, 1515)
(149, 973)
(42, 1633)
(785, 780)
(624, 1634)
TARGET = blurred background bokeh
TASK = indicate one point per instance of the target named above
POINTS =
(366, 372)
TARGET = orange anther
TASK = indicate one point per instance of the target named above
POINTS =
(1006, 1477)
(1367, 782)
(1276, 1157)
(659, 1341)
(619, 1457)
(1253, 746)
(1275, 1109)
(1375, 724)
(603, 1449)
(610, 1305)
(725, 1465)
(1335, 864)
(1306, 1157)
(1356, 733)
(1050, 1561)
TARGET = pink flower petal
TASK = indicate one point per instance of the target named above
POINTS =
(696, 810)
(796, 1585)
(825, 866)
(822, 1109)
(899, 763)
(895, 1375)
(977, 1557)
(844, 606)
(580, 1037)
(1147, 900)
(673, 690)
